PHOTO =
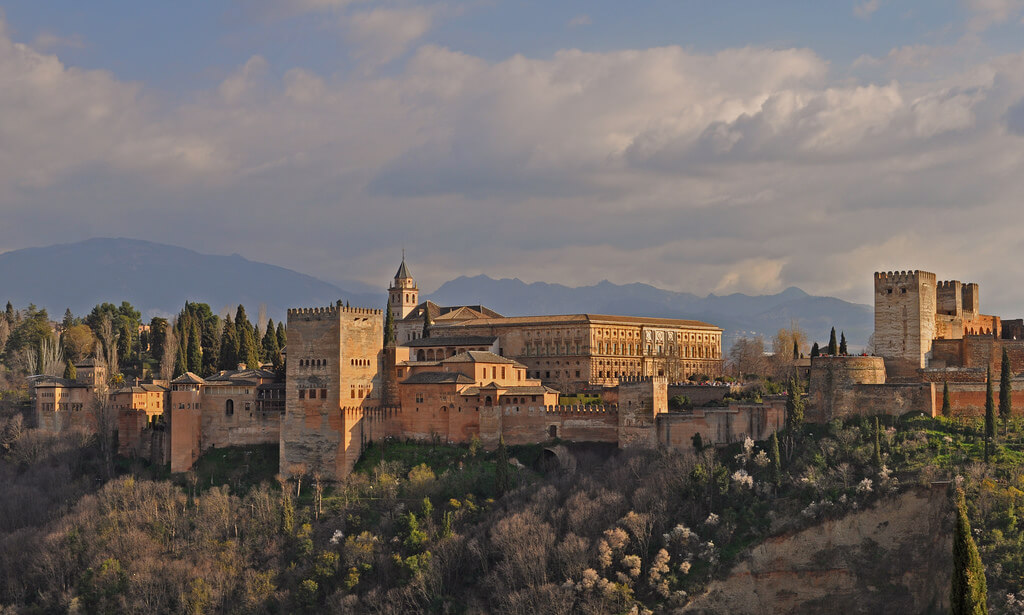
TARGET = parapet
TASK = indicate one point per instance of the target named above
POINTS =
(331, 312)
(901, 277)
(581, 410)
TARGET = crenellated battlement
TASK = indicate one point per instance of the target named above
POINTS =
(581, 410)
(643, 379)
(949, 284)
(897, 277)
(331, 312)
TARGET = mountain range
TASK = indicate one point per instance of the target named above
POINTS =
(158, 278)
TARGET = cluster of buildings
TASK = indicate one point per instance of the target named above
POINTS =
(459, 373)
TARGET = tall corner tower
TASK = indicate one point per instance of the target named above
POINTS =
(403, 295)
(905, 309)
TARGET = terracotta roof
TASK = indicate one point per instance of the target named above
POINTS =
(587, 318)
(450, 313)
(54, 381)
(236, 375)
(454, 340)
(188, 378)
(142, 388)
(438, 378)
(478, 356)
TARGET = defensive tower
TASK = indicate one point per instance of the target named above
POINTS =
(905, 309)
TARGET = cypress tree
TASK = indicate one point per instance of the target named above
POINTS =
(502, 476)
(990, 413)
(426, 321)
(968, 588)
(842, 344)
(246, 334)
(9, 313)
(70, 373)
(181, 361)
(69, 320)
(815, 350)
(389, 327)
(794, 406)
(776, 460)
(228, 346)
(796, 350)
(1005, 390)
(833, 347)
(271, 351)
(947, 410)
(282, 336)
(195, 349)
(877, 457)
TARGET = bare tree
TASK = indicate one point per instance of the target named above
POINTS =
(50, 357)
(108, 338)
(261, 320)
(170, 354)
(105, 418)
(747, 356)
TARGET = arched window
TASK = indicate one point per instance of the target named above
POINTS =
(229, 407)
(420, 355)
(487, 400)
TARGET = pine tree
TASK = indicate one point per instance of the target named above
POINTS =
(9, 314)
(228, 346)
(1005, 391)
(815, 350)
(833, 347)
(968, 588)
(776, 460)
(282, 336)
(877, 457)
(271, 351)
(69, 320)
(842, 344)
(794, 406)
(70, 373)
(389, 328)
(195, 349)
(990, 413)
(947, 410)
(502, 476)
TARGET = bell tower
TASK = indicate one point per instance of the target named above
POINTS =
(403, 295)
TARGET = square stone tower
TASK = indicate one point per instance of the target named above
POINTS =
(333, 376)
(905, 309)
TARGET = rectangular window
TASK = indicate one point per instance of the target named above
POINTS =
(353, 393)
(302, 393)
(323, 394)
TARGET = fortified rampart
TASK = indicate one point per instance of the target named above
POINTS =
(848, 386)
(720, 426)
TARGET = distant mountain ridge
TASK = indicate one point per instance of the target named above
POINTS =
(737, 313)
(158, 278)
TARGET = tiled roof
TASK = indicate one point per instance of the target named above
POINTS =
(450, 313)
(233, 375)
(403, 271)
(188, 378)
(438, 378)
(479, 356)
(597, 319)
(455, 340)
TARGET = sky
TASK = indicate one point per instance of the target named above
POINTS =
(732, 146)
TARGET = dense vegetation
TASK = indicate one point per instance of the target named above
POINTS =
(423, 527)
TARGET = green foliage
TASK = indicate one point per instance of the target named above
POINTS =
(228, 346)
(947, 410)
(795, 405)
(776, 459)
(282, 336)
(968, 588)
(195, 349)
(271, 351)
(248, 350)
(842, 344)
(70, 373)
(815, 350)
(698, 442)
(680, 402)
(876, 456)
(502, 471)
(389, 327)
(833, 346)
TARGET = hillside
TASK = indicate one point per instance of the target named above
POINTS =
(738, 314)
(156, 278)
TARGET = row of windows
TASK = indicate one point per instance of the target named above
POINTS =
(311, 393)
(357, 362)
(62, 407)
(312, 362)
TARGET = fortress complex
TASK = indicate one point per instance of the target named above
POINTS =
(451, 374)
(928, 334)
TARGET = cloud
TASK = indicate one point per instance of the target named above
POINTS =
(865, 9)
(381, 35)
(749, 169)
(579, 21)
(48, 41)
(987, 13)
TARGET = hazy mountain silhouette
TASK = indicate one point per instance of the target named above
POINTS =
(738, 314)
(157, 279)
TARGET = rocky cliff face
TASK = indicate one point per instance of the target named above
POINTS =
(895, 557)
